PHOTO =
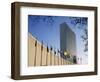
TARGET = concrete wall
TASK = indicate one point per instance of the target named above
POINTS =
(40, 56)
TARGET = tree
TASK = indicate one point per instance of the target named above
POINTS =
(45, 19)
(82, 24)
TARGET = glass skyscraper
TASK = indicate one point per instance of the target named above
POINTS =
(67, 43)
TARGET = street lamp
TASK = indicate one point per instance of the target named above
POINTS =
(65, 53)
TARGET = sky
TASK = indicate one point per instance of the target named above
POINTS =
(49, 33)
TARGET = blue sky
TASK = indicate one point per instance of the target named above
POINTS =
(50, 34)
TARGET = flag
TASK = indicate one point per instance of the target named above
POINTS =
(51, 48)
(47, 49)
(54, 52)
(58, 51)
(42, 46)
(35, 43)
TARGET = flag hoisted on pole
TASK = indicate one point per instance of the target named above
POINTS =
(35, 52)
(41, 52)
(47, 55)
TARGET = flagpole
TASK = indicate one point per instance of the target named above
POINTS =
(35, 52)
(47, 55)
(41, 53)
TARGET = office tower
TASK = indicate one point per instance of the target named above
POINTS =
(67, 42)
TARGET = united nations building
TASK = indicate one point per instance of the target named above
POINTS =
(67, 43)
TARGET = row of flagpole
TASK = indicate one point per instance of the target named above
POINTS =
(55, 52)
(48, 50)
